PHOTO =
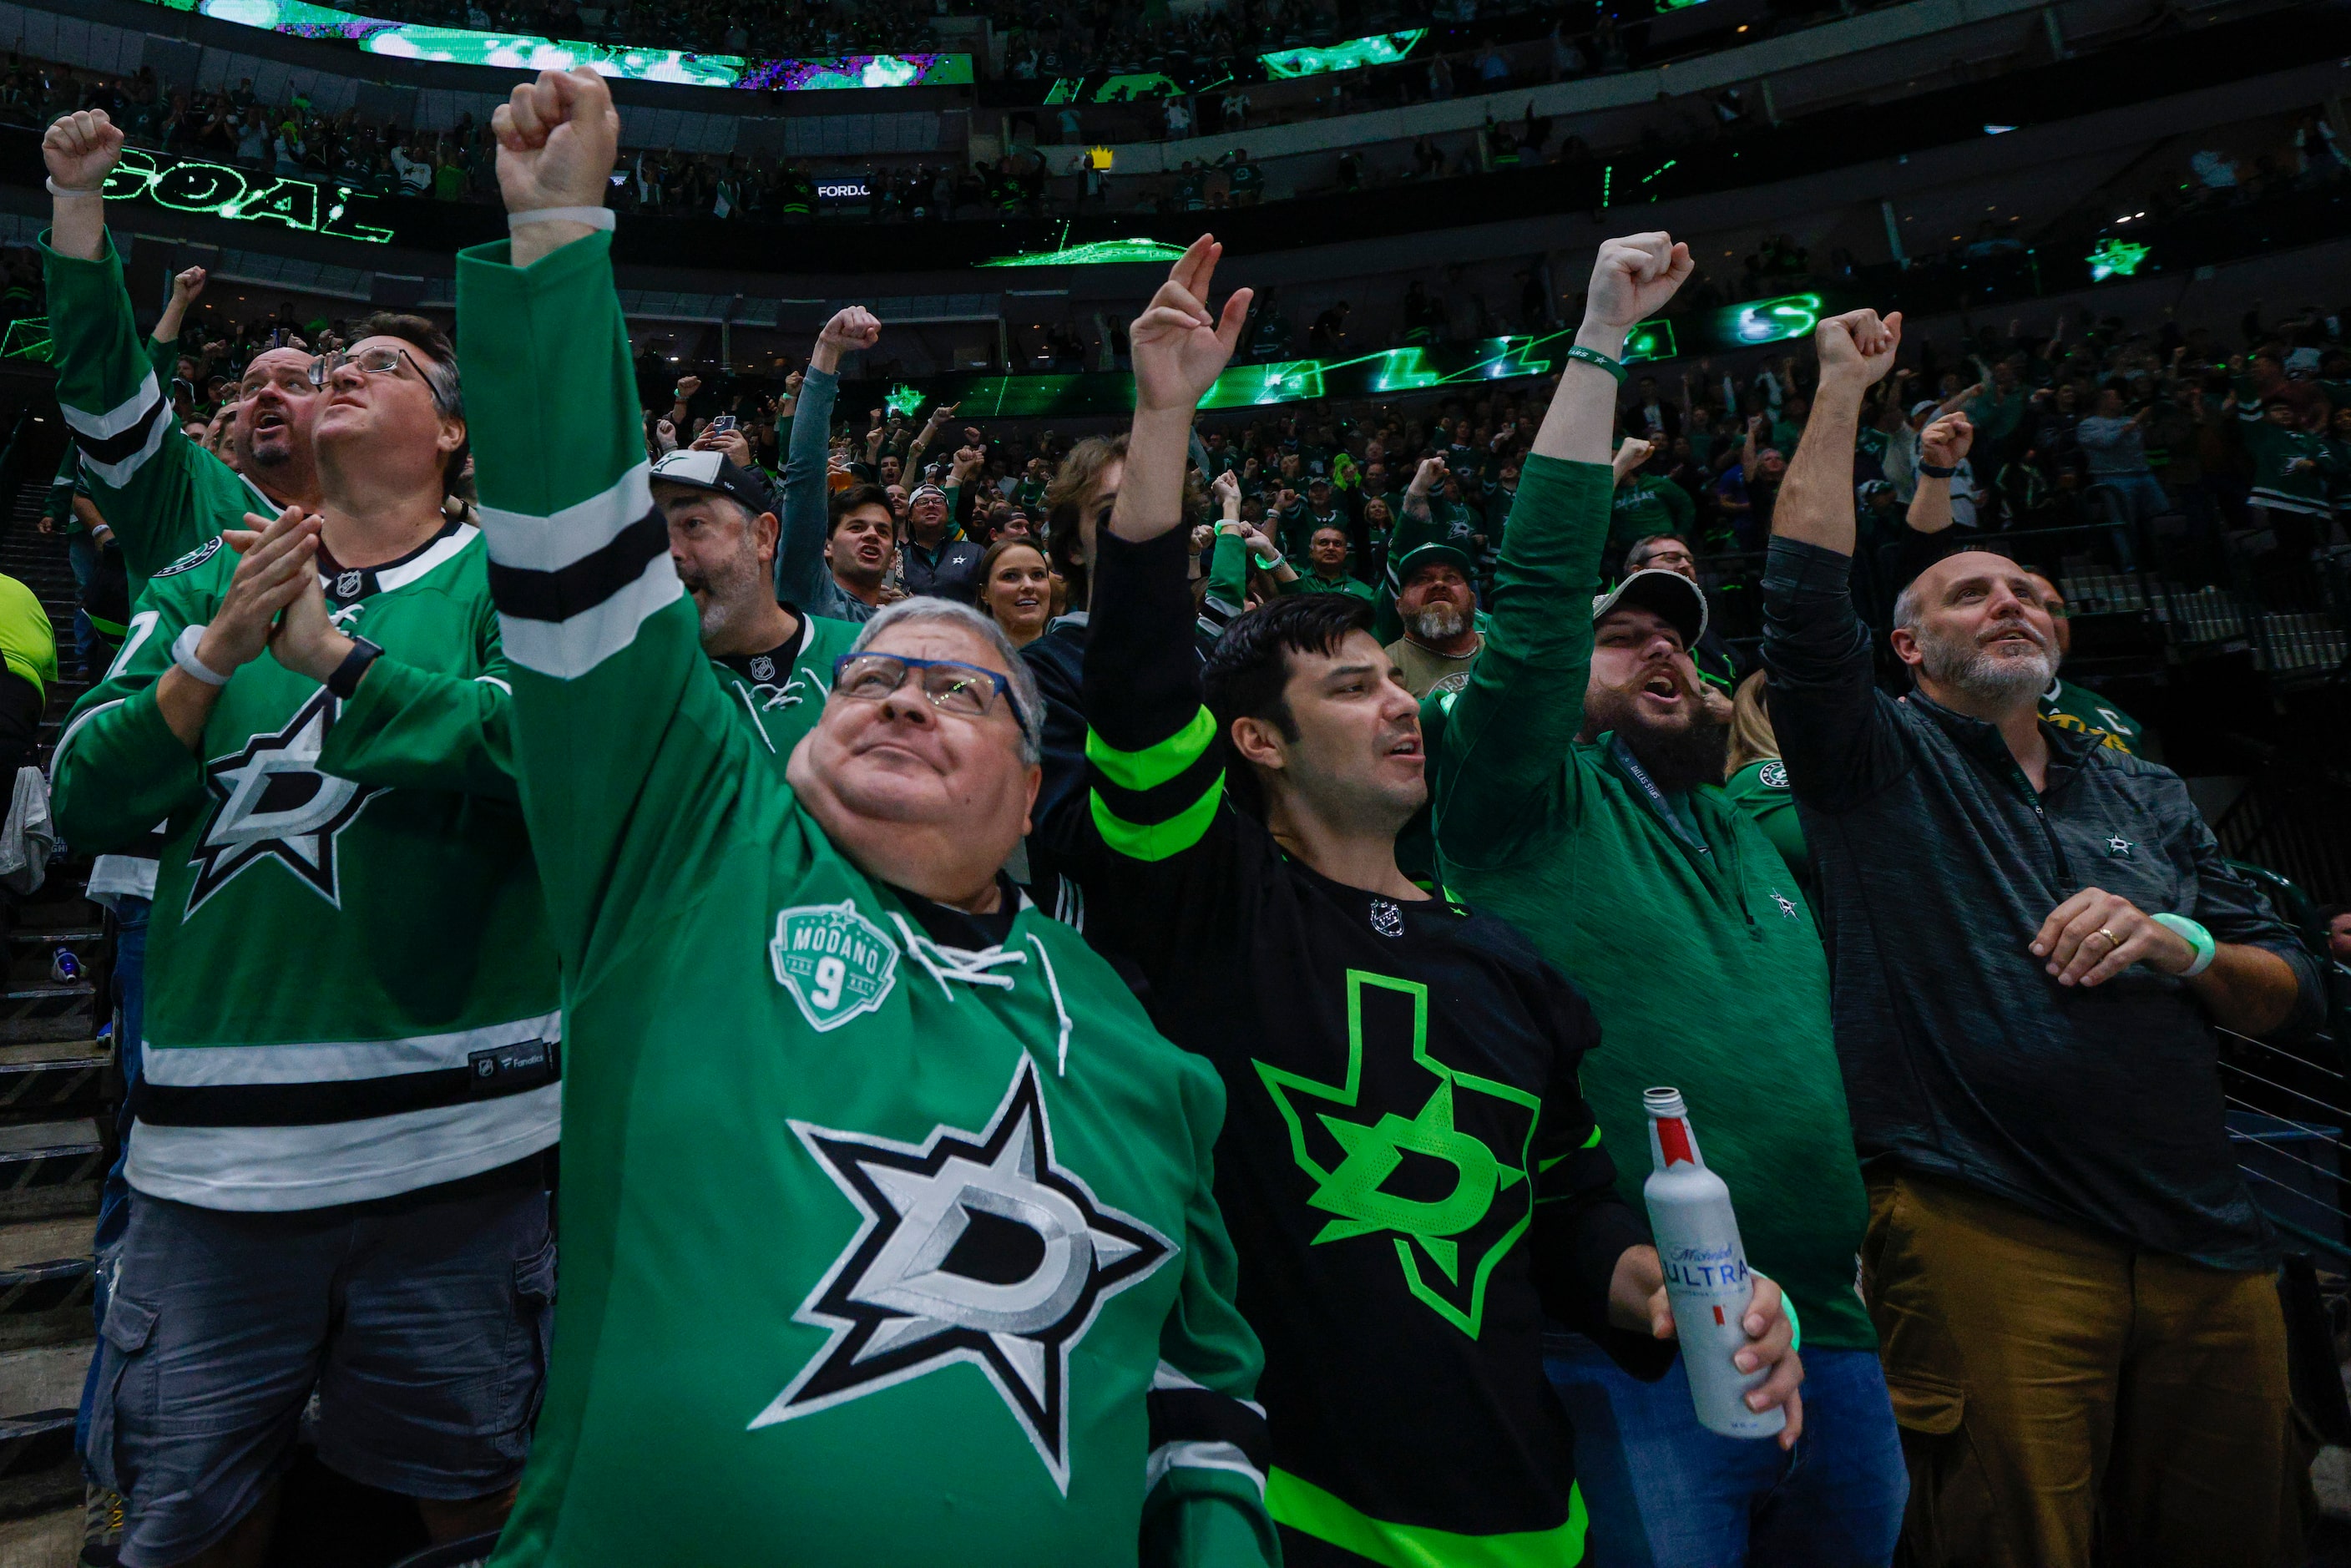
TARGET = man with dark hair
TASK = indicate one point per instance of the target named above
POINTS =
(1358, 1022)
(776, 659)
(2034, 937)
(1578, 794)
(937, 561)
(835, 546)
(1710, 654)
(1326, 561)
(338, 1182)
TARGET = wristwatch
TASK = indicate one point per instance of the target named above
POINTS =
(345, 681)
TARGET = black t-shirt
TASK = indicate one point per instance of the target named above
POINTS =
(1407, 1168)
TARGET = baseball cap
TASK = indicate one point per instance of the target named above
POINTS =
(925, 491)
(716, 471)
(1924, 405)
(1423, 555)
(1322, 479)
(1670, 593)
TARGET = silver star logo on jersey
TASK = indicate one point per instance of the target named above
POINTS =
(976, 1248)
(275, 804)
(2119, 847)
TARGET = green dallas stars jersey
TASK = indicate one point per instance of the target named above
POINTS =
(161, 494)
(780, 694)
(349, 990)
(1410, 1172)
(2069, 706)
(903, 1249)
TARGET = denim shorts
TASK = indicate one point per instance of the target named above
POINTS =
(421, 1327)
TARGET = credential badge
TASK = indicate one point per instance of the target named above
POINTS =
(836, 963)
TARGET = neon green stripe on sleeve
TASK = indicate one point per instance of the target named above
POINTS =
(1308, 1509)
(1153, 765)
(1157, 841)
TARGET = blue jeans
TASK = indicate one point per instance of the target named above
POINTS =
(81, 554)
(114, 1198)
(1664, 1492)
(2143, 499)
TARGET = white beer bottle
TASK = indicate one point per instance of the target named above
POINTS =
(1707, 1281)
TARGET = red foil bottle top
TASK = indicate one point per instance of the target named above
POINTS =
(1673, 1140)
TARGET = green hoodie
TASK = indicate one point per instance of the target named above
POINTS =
(1683, 926)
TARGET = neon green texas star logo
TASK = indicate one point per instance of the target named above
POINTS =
(1371, 1153)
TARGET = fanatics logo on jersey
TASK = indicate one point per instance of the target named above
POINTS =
(836, 963)
(974, 1248)
(275, 804)
(1773, 775)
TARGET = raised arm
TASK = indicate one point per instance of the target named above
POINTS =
(1825, 707)
(185, 287)
(629, 760)
(1940, 446)
(1506, 736)
(800, 571)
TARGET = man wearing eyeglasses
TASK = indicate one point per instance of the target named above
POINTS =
(351, 1035)
(982, 1311)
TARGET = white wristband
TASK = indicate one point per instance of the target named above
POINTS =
(594, 217)
(57, 190)
(183, 653)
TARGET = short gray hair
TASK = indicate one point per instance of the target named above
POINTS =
(1906, 608)
(1027, 703)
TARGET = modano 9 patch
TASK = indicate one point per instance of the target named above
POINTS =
(836, 963)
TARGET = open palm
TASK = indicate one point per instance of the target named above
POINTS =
(1179, 348)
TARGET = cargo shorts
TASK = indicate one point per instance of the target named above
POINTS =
(421, 1327)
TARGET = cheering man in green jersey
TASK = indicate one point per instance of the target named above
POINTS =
(1578, 795)
(1411, 1173)
(164, 494)
(888, 1218)
(351, 1027)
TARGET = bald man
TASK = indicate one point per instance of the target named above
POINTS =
(2034, 938)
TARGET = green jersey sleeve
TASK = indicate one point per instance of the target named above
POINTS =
(163, 494)
(628, 757)
(119, 769)
(1204, 1505)
(424, 730)
(1500, 744)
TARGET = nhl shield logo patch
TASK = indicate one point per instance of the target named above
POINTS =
(836, 963)
(348, 585)
(763, 668)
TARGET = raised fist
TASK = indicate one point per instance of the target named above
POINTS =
(1634, 277)
(1947, 439)
(688, 385)
(557, 138)
(1857, 345)
(850, 329)
(189, 283)
(81, 149)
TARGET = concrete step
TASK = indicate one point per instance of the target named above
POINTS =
(49, 1170)
(34, 1381)
(50, 1539)
(78, 1082)
(46, 1011)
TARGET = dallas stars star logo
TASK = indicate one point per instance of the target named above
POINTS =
(2119, 847)
(975, 1247)
(1453, 1202)
(275, 804)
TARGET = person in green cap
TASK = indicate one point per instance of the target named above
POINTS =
(1442, 637)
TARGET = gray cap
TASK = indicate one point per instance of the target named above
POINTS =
(1670, 593)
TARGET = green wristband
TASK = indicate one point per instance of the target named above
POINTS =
(1595, 357)
(2196, 936)
(1795, 1324)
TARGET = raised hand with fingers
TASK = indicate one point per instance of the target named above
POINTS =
(1857, 347)
(81, 149)
(1179, 348)
(307, 640)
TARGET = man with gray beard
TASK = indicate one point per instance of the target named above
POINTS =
(1441, 641)
(776, 659)
(2033, 939)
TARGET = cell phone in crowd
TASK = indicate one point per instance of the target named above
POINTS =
(723, 423)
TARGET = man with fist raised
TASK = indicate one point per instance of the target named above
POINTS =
(1578, 794)
(888, 1218)
(2035, 935)
(164, 494)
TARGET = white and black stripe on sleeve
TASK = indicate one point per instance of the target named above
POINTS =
(572, 587)
(1194, 1427)
(116, 445)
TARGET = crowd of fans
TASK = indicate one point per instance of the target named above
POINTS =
(1050, 886)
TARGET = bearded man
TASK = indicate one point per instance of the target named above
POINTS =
(1578, 794)
(2035, 935)
(1439, 612)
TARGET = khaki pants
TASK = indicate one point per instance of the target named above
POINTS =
(2065, 1400)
